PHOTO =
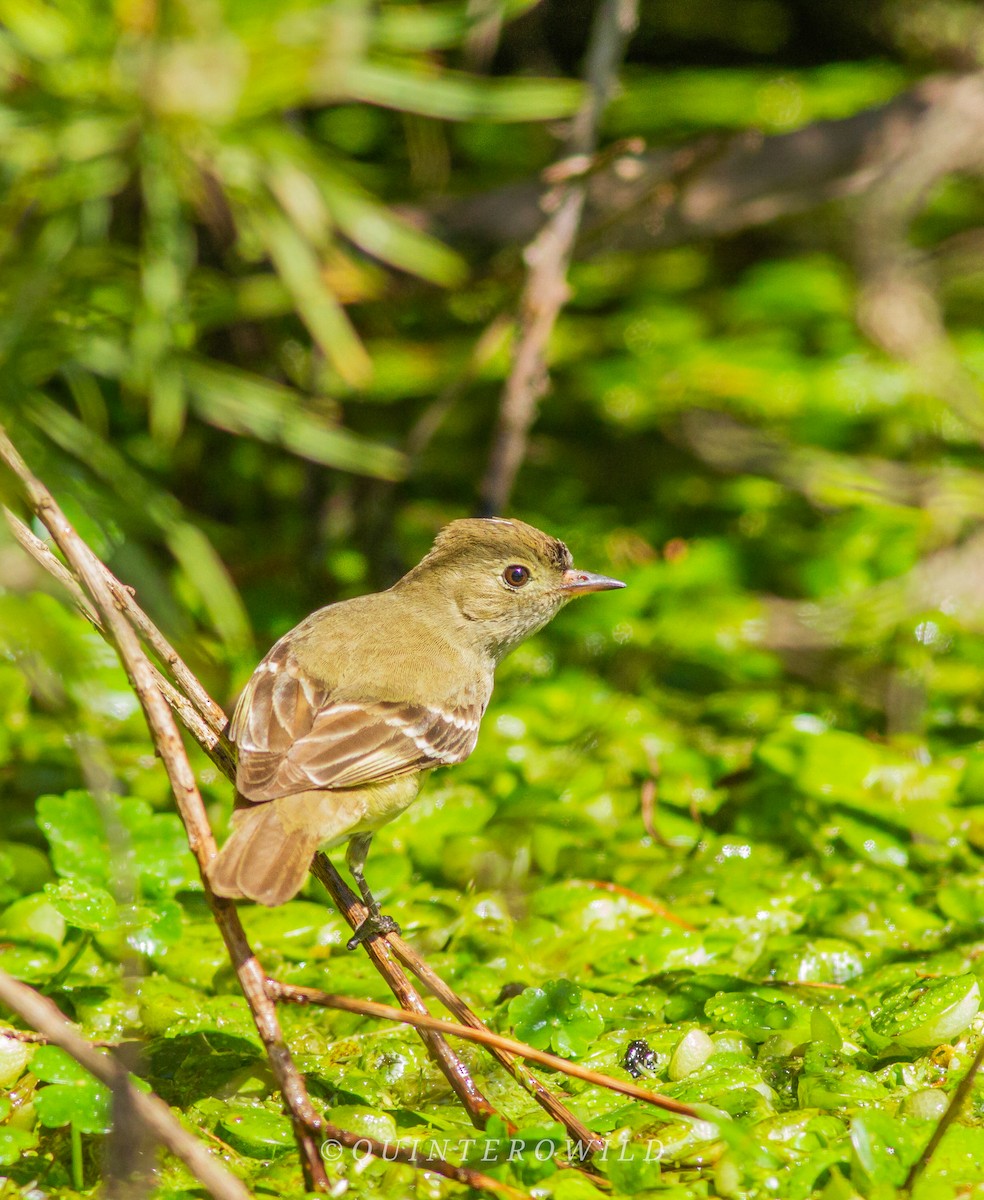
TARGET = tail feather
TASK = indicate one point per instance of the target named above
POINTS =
(264, 859)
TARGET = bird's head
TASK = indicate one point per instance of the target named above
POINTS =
(503, 578)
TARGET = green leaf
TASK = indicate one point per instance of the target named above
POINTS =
(256, 1131)
(87, 838)
(14, 1057)
(924, 1013)
(299, 268)
(51, 1064)
(630, 1169)
(456, 97)
(74, 828)
(756, 1016)
(245, 404)
(73, 1097)
(527, 1153)
(885, 1148)
(33, 919)
(377, 231)
(84, 905)
(14, 1143)
(170, 1009)
(557, 1016)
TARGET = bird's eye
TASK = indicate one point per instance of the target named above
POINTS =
(516, 575)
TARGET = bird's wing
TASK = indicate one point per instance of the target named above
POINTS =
(292, 736)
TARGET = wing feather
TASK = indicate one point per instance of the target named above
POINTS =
(291, 736)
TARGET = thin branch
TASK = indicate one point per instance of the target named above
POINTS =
(54, 1028)
(606, 885)
(197, 710)
(485, 1037)
(42, 1014)
(116, 608)
(548, 257)
(647, 810)
(380, 950)
(31, 1037)
(123, 595)
(515, 1066)
(92, 575)
(959, 1098)
(41, 552)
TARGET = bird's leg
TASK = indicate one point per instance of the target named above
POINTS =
(376, 922)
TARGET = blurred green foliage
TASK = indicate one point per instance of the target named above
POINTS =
(234, 344)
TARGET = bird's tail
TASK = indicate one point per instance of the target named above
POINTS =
(269, 851)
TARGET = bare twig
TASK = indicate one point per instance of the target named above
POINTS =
(31, 1037)
(197, 710)
(548, 257)
(647, 810)
(454, 1069)
(113, 609)
(54, 1028)
(123, 595)
(92, 575)
(380, 951)
(40, 551)
(957, 1101)
(515, 1066)
(485, 1037)
(42, 1014)
(617, 889)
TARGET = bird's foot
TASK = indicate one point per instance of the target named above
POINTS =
(376, 924)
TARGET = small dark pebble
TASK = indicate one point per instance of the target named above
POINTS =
(639, 1059)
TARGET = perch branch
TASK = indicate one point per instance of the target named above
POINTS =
(454, 1069)
(205, 720)
(197, 710)
(43, 1015)
(515, 1066)
(91, 574)
(353, 911)
(485, 1037)
(548, 257)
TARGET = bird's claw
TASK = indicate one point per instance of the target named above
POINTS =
(376, 924)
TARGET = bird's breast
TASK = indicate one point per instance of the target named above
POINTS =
(384, 801)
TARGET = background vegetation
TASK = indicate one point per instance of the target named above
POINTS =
(259, 266)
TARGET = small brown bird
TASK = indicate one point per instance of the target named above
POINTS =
(343, 715)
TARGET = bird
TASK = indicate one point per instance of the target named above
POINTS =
(340, 721)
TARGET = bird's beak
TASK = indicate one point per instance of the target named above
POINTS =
(579, 583)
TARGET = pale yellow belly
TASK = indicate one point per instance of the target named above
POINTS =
(366, 809)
